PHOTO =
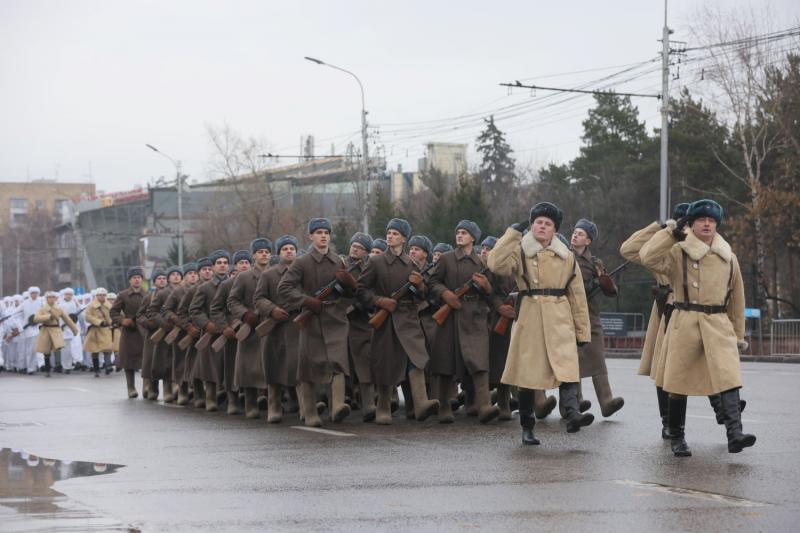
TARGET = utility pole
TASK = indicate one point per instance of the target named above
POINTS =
(664, 186)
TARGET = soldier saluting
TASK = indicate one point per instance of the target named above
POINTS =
(700, 353)
(552, 317)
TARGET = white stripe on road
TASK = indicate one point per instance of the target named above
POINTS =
(325, 431)
(707, 417)
(79, 389)
(699, 494)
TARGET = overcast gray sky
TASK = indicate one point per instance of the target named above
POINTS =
(85, 84)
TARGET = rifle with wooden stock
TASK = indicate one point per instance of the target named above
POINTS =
(440, 316)
(323, 294)
(606, 282)
(501, 326)
(381, 315)
(220, 342)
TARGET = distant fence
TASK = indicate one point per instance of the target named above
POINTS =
(785, 337)
(623, 335)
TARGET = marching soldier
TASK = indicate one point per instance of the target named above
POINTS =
(700, 352)
(158, 281)
(51, 336)
(171, 318)
(399, 343)
(461, 346)
(208, 368)
(552, 315)
(378, 247)
(123, 316)
(440, 249)
(280, 344)
(249, 369)
(115, 335)
(359, 332)
(662, 294)
(419, 249)
(73, 347)
(99, 338)
(592, 361)
(226, 323)
(162, 352)
(30, 330)
(322, 349)
(186, 379)
(503, 286)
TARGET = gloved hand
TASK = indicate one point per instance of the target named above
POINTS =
(211, 328)
(388, 304)
(192, 330)
(450, 298)
(229, 333)
(507, 311)
(151, 323)
(103, 324)
(312, 304)
(250, 318)
(279, 314)
(126, 322)
(415, 278)
(581, 344)
(345, 278)
(483, 282)
(521, 226)
(743, 345)
(679, 232)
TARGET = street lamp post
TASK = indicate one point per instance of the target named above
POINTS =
(365, 164)
(180, 200)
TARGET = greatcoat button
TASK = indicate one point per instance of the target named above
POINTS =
(695, 284)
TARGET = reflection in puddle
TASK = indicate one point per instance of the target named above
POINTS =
(28, 501)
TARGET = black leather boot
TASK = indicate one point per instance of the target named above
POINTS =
(96, 365)
(526, 418)
(663, 409)
(568, 398)
(677, 426)
(737, 441)
(716, 404)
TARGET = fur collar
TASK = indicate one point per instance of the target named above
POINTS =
(697, 249)
(531, 246)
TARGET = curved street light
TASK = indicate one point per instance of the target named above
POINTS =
(365, 165)
(180, 200)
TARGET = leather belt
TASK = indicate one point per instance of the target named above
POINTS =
(707, 309)
(543, 292)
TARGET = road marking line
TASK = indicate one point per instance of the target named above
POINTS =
(699, 494)
(325, 431)
(78, 389)
(707, 417)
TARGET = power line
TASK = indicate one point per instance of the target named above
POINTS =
(519, 85)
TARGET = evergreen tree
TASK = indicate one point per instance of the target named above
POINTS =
(497, 165)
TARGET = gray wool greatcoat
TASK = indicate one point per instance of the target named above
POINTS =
(280, 345)
(462, 344)
(359, 332)
(145, 332)
(222, 318)
(249, 369)
(162, 352)
(400, 338)
(169, 313)
(190, 355)
(129, 356)
(591, 359)
(502, 286)
(208, 364)
(322, 348)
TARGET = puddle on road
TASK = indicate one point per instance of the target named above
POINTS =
(28, 501)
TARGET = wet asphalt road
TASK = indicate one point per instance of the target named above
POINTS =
(185, 469)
